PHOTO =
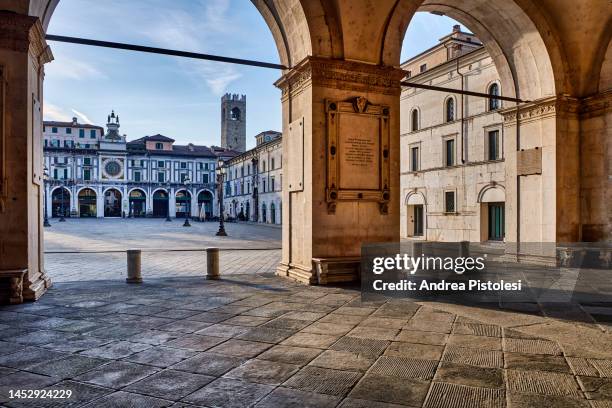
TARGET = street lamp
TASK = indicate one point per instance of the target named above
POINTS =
(187, 181)
(168, 219)
(45, 180)
(62, 219)
(220, 173)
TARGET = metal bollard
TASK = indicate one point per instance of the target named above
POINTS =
(464, 249)
(133, 266)
(212, 263)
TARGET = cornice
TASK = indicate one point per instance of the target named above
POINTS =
(23, 33)
(341, 74)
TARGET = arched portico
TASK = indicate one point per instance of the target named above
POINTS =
(343, 55)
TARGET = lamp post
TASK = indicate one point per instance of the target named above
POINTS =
(220, 173)
(168, 219)
(187, 181)
(45, 180)
(62, 219)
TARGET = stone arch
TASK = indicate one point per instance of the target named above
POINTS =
(605, 72)
(488, 89)
(449, 109)
(492, 193)
(415, 197)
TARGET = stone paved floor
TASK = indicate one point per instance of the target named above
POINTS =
(153, 235)
(253, 340)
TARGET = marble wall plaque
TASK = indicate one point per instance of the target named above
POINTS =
(358, 153)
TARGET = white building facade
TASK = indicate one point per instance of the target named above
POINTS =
(253, 182)
(452, 158)
(98, 174)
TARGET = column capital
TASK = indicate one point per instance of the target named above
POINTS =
(23, 33)
(341, 74)
(541, 109)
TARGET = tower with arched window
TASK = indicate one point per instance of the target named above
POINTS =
(233, 122)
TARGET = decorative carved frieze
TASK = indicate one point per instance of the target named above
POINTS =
(357, 153)
(559, 106)
(23, 33)
(340, 74)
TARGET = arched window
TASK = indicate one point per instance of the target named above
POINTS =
(493, 92)
(415, 120)
(450, 109)
(235, 114)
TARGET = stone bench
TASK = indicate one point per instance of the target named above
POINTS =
(12, 285)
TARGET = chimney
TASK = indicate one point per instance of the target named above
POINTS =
(456, 28)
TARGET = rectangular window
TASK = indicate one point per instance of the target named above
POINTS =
(161, 177)
(87, 161)
(423, 68)
(55, 173)
(92, 134)
(449, 202)
(263, 185)
(205, 178)
(449, 159)
(183, 177)
(68, 131)
(494, 150)
(65, 174)
(160, 164)
(183, 165)
(136, 176)
(142, 163)
(206, 166)
(46, 142)
(87, 145)
(414, 159)
(159, 146)
(86, 174)
(272, 186)
(81, 133)
(53, 130)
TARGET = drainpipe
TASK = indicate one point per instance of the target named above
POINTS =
(462, 111)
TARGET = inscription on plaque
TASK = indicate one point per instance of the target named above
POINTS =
(359, 153)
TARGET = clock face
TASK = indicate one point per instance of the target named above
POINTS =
(113, 168)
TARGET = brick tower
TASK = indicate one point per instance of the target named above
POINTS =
(233, 122)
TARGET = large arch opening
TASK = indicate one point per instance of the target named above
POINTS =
(112, 203)
(87, 203)
(60, 202)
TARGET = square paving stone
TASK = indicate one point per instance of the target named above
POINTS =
(394, 390)
(81, 394)
(541, 382)
(308, 316)
(453, 395)
(222, 330)
(4, 371)
(263, 372)
(116, 350)
(472, 376)
(429, 326)
(404, 367)
(289, 397)
(328, 328)
(184, 326)
(421, 337)
(337, 318)
(314, 340)
(475, 357)
(154, 337)
(117, 374)
(471, 341)
(477, 329)
(383, 322)
(119, 332)
(195, 342)
(144, 310)
(23, 380)
(68, 367)
(343, 360)
(355, 311)
(603, 366)
(41, 337)
(209, 364)
(233, 309)
(76, 344)
(413, 350)
(127, 399)
(323, 380)
(362, 403)
(539, 362)
(531, 346)
(161, 356)
(582, 366)
(289, 354)
(170, 384)
(240, 348)
(177, 313)
(596, 388)
(10, 348)
(248, 321)
(286, 324)
(266, 335)
(229, 393)
(29, 357)
(546, 401)
(368, 347)
(375, 333)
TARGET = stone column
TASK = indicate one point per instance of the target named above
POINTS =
(100, 203)
(340, 164)
(23, 53)
(172, 202)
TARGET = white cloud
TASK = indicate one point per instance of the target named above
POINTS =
(73, 69)
(82, 116)
(54, 112)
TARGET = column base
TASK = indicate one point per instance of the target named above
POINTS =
(35, 287)
(325, 271)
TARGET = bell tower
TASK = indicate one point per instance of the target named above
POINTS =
(233, 122)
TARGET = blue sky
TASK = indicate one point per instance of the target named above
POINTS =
(174, 96)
